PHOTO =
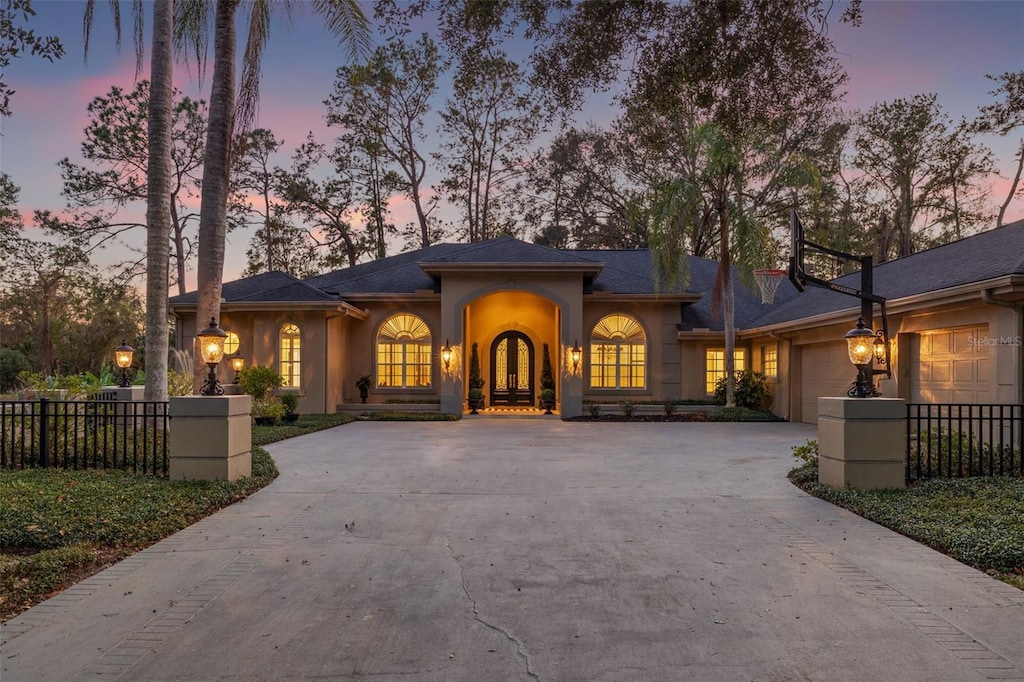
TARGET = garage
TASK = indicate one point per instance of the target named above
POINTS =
(954, 366)
(825, 370)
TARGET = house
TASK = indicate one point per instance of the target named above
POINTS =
(955, 321)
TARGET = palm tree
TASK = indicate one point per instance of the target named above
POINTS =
(716, 190)
(344, 19)
(158, 209)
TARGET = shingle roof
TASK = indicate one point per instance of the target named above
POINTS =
(980, 257)
(976, 258)
(272, 287)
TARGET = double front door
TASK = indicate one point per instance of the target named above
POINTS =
(512, 370)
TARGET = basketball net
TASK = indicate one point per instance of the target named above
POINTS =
(768, 282)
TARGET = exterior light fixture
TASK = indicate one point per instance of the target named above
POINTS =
(211, 348)
(880, 344)
(446, 356)
(860, 344)
(576, 354)
(237, 363)
(123, 356)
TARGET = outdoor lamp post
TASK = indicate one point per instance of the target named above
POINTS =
(575, 353)
(211, 348)
(123, 356)
(237, 363)
(860, 344)
(446, 356)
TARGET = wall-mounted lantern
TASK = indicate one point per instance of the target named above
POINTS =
(576, 355)
(446, 356)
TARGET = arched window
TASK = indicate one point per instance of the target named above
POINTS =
(291, 354)
(403, 352)
(231, 343)
(618, 353)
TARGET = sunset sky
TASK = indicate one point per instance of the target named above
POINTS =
(902, 49)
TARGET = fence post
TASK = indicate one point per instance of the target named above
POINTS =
(211, 437)
(44, 433)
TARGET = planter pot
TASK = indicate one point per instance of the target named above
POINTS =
(290, 417)
(546, 405)
(475, 405)
(265, 421)
(363, 395)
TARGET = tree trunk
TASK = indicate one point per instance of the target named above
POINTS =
(1013, 186)
(178, 234)
(213, 214)
(728, 308)
(158, 199)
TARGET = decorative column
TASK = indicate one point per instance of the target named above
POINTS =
(211, 437)
(862, 442)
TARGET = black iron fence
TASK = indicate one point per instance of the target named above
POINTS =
(954, 440)
(84, 434)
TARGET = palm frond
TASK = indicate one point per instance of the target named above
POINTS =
(347, 22)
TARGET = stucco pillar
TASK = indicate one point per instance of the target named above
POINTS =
(211, 437)
(123, 395)
(862, 442)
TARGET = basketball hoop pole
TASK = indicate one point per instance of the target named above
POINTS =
(800, 246)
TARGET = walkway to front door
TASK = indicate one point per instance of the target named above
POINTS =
(512, 369)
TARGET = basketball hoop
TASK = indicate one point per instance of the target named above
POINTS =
(768, 282)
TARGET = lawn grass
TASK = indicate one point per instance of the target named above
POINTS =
(58, 527)
(978, 521)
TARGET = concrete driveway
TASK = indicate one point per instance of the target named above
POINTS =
(518, 549)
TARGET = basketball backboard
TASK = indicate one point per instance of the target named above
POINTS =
(797, 272)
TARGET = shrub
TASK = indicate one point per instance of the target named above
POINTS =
(12, 363)
(258, 380)
(547, 379)
(476, 379)
(547, 394)
(267, 407)
(807, 454)
(751, 391)
(594, 409)
(179, 383)
(290, 401)
(628, 408)
(670, 407)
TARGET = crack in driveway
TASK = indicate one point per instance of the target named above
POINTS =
(523, 656)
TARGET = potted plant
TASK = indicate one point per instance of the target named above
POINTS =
(547, 399)
(476, 382)
(266, 411)
(290, 402)
(547, 382)
(363, 383)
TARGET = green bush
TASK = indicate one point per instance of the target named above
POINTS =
(179, 383)
(267, 407)
(547, 378)
(806, 454)
(751, 391)
(628, 408)
(290, 401)
(955, 454)
(594, 409)
(258, 380)
(476, 379)
(12, 363)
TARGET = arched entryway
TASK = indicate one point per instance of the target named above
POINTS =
(512, 361)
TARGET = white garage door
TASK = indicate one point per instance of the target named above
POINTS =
(954, 366)
(825, 370)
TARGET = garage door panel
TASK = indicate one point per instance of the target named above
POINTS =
(825, 370)
(952, 367)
